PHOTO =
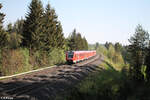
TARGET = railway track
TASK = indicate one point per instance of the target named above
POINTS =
(63, 72)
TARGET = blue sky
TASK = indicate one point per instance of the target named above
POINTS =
(97, 20)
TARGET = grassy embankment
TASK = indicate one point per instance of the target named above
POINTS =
(110, 82)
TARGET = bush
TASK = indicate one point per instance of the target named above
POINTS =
(117, 58)
(57, 56)
(102, 50)
(14, 40)
(15, 61)
(39, 59)
(43, 58)
(21, 60)
(25, 53)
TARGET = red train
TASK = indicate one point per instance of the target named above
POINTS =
(76, 56)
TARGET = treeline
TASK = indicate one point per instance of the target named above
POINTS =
(113, 53)
(36, 41)
(76, 42)
(136, 55)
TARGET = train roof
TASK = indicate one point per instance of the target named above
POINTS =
(82, 51)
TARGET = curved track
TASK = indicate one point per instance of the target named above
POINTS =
(46, 84)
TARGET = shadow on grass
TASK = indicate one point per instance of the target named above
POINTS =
(109, 84)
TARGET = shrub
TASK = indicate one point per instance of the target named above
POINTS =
(38, 59)
(57, 56)
(15, 61)
(102, 50)
(117, 58)
(111, 52)
(14, 40)
(25, 53)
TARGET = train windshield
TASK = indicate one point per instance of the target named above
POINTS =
(70, 54)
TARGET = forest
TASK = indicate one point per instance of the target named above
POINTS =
(36, 41)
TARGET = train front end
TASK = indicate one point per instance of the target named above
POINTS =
(70, 57)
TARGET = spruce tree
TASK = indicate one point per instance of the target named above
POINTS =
(10, 28)
(33, 26)
(53, 36)
(72, 40)
(85, 44)
(107, 45)
(147, 63)
(48, 29)
(138, 44)
(60, 36)
(18, 26)
(96, 45)
(79, 42)
(118, 47)
(3, 34)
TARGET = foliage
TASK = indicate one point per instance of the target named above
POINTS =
(125, 54)
(3, 34)
(96, 45)
(57, 56)
(18, 26)
(111, 54)
(138, 43)
(147, 63)
(39, 59)
(53, 36)
(10, 28)
(118, 47)
(76, 42)
(102, 50)
(85, 44)
(14, 40)
(32, 28)
(15, 61)
(111, 51)
(109, 84)
(104, 84)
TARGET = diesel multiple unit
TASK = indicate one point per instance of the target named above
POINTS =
(76, 56)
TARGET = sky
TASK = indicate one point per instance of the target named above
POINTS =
(97, 20)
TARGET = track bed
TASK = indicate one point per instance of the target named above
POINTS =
(46, 84)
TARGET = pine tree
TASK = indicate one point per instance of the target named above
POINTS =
(118, 47)
(79, 42)
(48, 29)
(14, 40)
(18, 26)
(60, 36)
(147, 63)
(33, 26)
(96, 45)
(107, 45)
(85, 44)
(139, 42)
(76, 42)
(3, 34)
(72, 40)
(53, 36)
(10, 28)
